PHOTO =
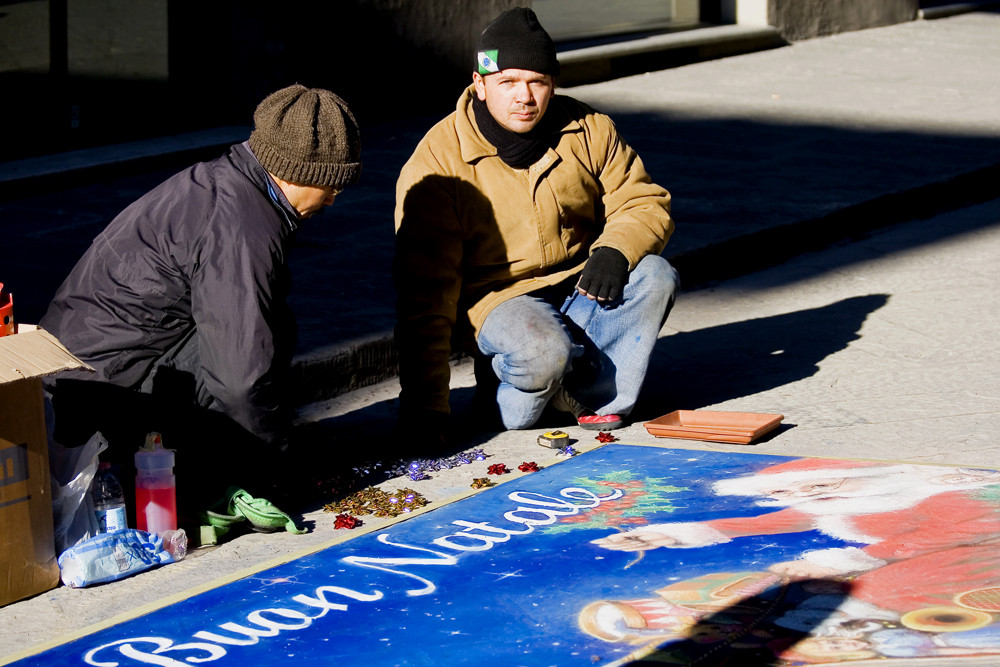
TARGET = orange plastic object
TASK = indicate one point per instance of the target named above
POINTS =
(733, 427)
(6, 313)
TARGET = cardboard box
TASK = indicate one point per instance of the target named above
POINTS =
(27, 547)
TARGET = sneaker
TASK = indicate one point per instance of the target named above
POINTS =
(585, 418)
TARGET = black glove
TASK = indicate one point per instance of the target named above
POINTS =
(604, 275)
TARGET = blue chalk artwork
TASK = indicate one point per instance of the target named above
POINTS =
(624, 553)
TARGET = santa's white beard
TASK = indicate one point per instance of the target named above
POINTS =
(892, 495)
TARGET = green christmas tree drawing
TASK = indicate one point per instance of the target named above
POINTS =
(643, 496)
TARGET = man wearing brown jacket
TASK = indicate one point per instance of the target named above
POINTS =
(526, 224)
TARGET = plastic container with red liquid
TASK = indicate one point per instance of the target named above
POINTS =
(7, 326)
(155, 487)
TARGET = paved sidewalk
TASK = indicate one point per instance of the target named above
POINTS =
(882, 345)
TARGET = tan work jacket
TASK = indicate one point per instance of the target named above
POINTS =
(472, 232)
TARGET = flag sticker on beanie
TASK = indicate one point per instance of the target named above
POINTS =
(488, 62)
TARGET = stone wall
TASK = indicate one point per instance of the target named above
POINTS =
(444, 29)
(803, 19)
(387, 58)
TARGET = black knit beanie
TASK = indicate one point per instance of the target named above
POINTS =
(516, 39)
(307, 136)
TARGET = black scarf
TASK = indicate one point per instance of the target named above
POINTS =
(519, 150)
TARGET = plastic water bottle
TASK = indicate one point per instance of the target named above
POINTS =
(155, 487)
(109, 500)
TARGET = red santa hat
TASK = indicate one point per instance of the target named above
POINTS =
(818, 464)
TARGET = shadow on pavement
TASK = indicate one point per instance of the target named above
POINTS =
(754, 631)
(693, 369)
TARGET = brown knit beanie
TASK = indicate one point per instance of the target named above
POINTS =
(307, 136)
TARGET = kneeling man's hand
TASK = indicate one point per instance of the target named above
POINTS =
(604, 275)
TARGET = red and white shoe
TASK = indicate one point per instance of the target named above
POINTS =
(594, 422)
(585, 418)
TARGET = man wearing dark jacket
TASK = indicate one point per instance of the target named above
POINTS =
(183, 296)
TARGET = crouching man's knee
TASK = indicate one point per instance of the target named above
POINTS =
(655, 282)
(537, 366)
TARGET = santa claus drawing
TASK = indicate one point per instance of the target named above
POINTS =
(925, 534)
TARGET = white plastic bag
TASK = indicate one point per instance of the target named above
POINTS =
(72, 471)
(112, 556)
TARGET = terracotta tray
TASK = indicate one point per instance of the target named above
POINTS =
(715, 426)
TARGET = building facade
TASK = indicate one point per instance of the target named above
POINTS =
(77, 74)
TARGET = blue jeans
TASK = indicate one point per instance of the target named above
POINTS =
(599, 353)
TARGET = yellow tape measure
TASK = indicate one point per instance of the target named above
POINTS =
(554, 439)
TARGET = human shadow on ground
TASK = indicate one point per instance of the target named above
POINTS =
(757, 630)
(693, 369)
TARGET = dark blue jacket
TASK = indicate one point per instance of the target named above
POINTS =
(199, 263)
